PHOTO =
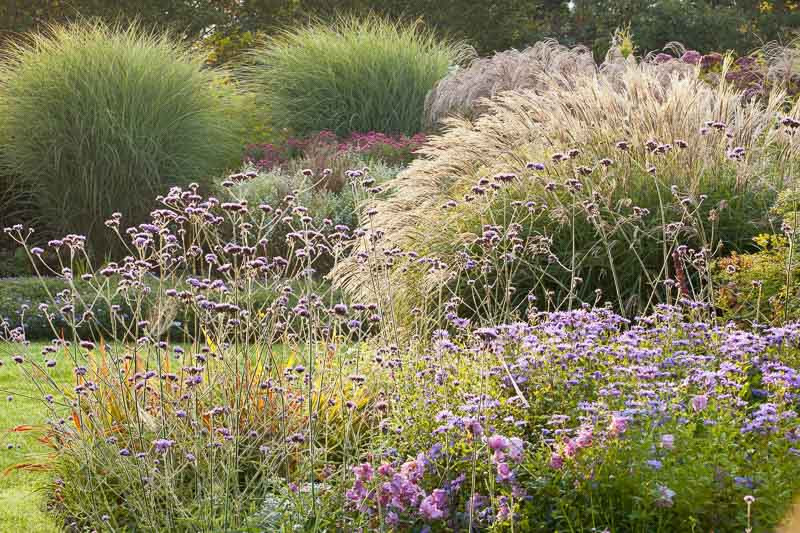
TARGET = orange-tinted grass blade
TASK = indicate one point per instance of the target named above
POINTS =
(30, 467)
(24, 427)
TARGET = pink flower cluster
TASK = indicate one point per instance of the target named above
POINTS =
(397, 150)
(505, 450)
(396, 491)
(585, 438)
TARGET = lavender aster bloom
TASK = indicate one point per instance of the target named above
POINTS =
(163, 445)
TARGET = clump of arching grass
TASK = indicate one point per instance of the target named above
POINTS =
(98, 118)
(604, 181)
(466, 91)
(358, 74)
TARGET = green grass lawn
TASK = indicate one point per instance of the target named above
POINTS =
(22, 502)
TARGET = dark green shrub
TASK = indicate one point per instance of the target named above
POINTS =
(101, 119)
(702, 24)
(354, 75)
(14, 263)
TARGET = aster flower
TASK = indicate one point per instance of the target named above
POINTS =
(163, 445)
(556, 461)
(497, 443)
(433, 507)
(585, 438)
(655, 464)
(664, 496)
(504, 472)
(619, 424)
(699, 402)
(363, 472)
(487, 334)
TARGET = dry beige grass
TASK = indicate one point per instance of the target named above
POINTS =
(783, 63)
(792, 522)
(466, 90)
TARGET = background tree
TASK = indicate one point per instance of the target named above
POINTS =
(190, 18)
(705, 25)
(225, 27)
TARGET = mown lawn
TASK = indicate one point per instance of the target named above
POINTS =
(22, 503)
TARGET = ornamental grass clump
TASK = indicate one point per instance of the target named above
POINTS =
(612, 190)
(355, 75)
(466, 91)
(97, 118)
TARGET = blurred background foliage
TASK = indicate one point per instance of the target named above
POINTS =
(224, 28)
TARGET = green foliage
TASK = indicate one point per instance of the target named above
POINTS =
(97, 119)
(702, 25)
(251, 119)
(759, 287)
(357, 75)
(187, 17)
(339, 205)
(225, 27)
(764, 286)
(224, 48)
(489, 26)
(20, 298)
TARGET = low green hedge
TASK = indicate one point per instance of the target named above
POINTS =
(20, 299)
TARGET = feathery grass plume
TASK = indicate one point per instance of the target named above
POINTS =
(98, 118)
(783, 65)
(465, 90)
(663, 65)
(358, 74)
(607, 179)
